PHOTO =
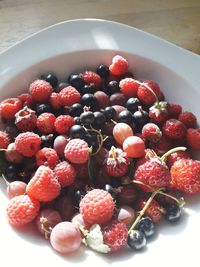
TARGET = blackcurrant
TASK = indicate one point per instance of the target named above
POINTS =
(112, 87)
(76, 110)
(173, 213)
(76, 80)
(146, 225)
(77, 131)
(51, 78)
(99, 119)
(87, 89)
(111, 190)
(140, 118)
(132, 104)
(103, 71)
(87, 118)
(47, 140)
(109, 142)
(12, 172)
(77, 196)
(125, 116)
(89, 100)
(136, 240)
(109, 113)
(43, 108)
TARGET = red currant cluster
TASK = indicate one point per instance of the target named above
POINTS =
(98, 159)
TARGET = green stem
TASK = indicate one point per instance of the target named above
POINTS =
(180, 202)
(173, 150)
(144, 209)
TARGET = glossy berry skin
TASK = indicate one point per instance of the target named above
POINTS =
(151, 132)
(109, 142)
(77, 131)
(77, 196)
(136, 240)
(77, 81)
(173, 213)
(87, 118)
(121, 131)
(97, 206)
(125, 116)
(89, 100)
(65, 237)
(50, 78)
(47, 140)
(111, 190)
(115, 235)
(112, 88)
(103, 71)
(99, 119)
(109, 113)
(76, 110)
(134, 147)
(140, 118)
(43, 108)
(11, 172)
(153, 174)
(185, 176)
(22, 210)
(146, 225)
(132, 104)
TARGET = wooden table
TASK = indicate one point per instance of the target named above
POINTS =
(177, 21)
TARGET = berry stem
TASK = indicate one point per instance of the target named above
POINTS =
(100, 139)
(173, 150)
(4, 178)
(144, 208)
(180, 201)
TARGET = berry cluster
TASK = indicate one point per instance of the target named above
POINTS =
(98, 159)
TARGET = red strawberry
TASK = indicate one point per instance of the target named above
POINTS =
(174, 129)
(154, 210)
(162, 146)
(193, 138)
(154, 174)
(115, 235)
(185, 176)
(174, 110)
(158, 112)
(172, 158)
(43, 186)
(188, 118)
(116, 163)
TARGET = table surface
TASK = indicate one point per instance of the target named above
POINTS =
(177, 21)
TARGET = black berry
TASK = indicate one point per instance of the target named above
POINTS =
(147, 226)
(136, 240)
(103, 71)
(51, 78)
(125, 116)
(76, 80)
(77, 131)
(110, 113)
(76, 110)
(173, 213)
(43, 108)
(132, 104)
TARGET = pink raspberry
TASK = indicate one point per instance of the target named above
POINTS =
(63, 123)
(45, 122)
(129, 86)
(55, 101)
(119, 66)
(97, 207)
(40, 91)
(93, 78)
(69, 96)
(47, 157)
(9, 107)
(65, 173)
(28, 143)
(77, 151)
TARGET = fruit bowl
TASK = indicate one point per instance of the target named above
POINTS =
(76, 45)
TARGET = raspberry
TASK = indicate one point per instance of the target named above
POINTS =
(154, 210)
(43, 186)
(145, 95)
(162, 146)
(174, 110)
(22, 210)
(119, 66)
(25, 119)
(173, 157)
(185, 176)
(9, 107)
(69, 96)
(26, 99)
(97, 207)
(115, 235)
(45, 123)
(174, 129)
(116, 163)
(92, 78)
(65, 173)
(47, 157)
(77, 151)
(193, 138)
(4, 140)
(151, 132)
(27, 143)
(129, 86)
(40, 91)
(188, 118)
(152, 173)
(63, 123)
(55, 101)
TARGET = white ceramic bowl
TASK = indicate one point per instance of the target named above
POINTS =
(77, 45)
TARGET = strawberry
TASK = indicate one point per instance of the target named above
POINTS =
(43, 186)
(116, 162)
(185, 176)
(115, 235)
(193, 138)
(172, 158)
(174, 129)
(151, 132)
(162, 146)
(153, 175)
(154, 210)
(174, 110)
(158, 113)
(188, 118)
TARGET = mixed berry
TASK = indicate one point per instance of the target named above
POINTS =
(98, 159)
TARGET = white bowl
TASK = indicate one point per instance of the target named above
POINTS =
(77, 45)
